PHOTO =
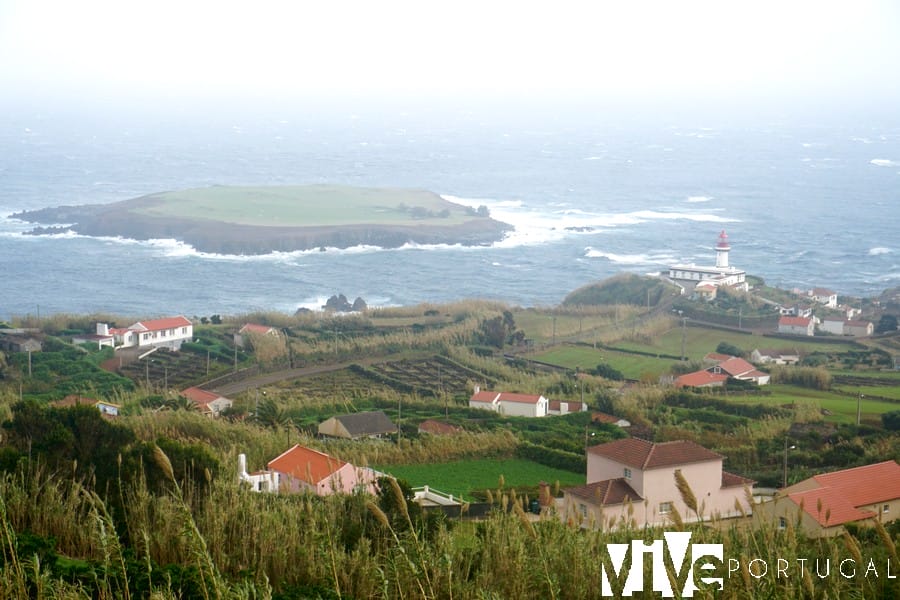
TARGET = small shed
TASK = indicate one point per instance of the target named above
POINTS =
(358, 425)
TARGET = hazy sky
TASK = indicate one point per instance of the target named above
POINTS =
(421, 49)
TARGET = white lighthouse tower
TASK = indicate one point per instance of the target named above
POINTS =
(722, 249)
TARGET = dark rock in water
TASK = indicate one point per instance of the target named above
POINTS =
(359, 305)
(339, 303)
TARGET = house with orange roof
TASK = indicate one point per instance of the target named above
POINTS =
(169, 332)
(207, 402)
(633, 481)
(304, 470)
(701, 379)
(510, 404)
(740, 369)
(823, 504)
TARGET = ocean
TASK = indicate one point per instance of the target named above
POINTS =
(804, 205)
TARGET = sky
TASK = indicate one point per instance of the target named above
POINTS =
(688, 51)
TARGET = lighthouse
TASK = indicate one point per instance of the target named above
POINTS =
(722, 249)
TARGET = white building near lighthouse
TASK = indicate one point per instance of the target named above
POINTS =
(723, 274)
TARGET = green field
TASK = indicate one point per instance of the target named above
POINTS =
(842, 409)
(307, 206)
(632, 366)
(699, 341)
(460, 478)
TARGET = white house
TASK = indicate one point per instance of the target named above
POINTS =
(209, 403)
(824, 296)
(634, 480)
(102, 337)
(511, 405)
(796, 325)
(858, 328)
(167, 333)
(775, 357)
(833, 325)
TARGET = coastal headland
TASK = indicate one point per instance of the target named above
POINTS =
(264, 219)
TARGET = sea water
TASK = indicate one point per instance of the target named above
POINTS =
(804, 204)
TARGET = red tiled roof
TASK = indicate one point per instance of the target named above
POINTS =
(794, 321)
(306, 464)
(599, 417)
(732, 480)
(868, 484)
(857, 323)
(835, 508)
(438, 428)
(716, 357)
(199, 396)
(823, 292)
(642, 454)
(736, 366)
(488, 397)
(160, 324)
(521, 398)
(255, 328)
(700, 379)
(606, 493)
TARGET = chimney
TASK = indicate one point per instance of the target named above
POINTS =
(544, 494)
(477, 389)
(102, 329)
(242, 465)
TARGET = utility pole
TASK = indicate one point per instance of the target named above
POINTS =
(786, 448)
(859, 397)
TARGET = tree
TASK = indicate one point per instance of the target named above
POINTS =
(886, 324)
(729, 349)
(891, 420)
(501, 330)
(609, 372)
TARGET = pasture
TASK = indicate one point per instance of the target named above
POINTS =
(463, 477)
(307, 206)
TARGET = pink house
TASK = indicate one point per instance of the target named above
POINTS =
(302, 469)
(632, 481)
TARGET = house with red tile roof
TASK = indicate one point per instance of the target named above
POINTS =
(823, 504)
(562, 407)
(738, 368)
(633, 481)
(510, 404)
(824, 296)
(434, 427)
(796, 325)
(169, 332)
(304, 470)
(208, 403)
(701, 379)
(254, 329)
(601, 417)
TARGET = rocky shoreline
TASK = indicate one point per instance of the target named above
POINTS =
(120, 219)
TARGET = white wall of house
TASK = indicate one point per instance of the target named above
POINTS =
(835, 326)
(524, 409)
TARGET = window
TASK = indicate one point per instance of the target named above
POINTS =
(782, 523)
(665, 508)
(886, 508)
(184, 331)
(627, 473)
(582, 508)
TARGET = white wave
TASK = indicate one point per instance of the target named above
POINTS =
(697, 199)
(884, 162)
(863, 140)
(533, 226)
(879, 250)
(594, 158)
(629, 259)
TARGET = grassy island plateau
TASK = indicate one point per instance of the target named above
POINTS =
(259, 220)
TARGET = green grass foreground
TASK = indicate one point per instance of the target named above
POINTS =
(461, 477)
(307, 206)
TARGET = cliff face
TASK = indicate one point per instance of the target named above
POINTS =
(120, 219)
